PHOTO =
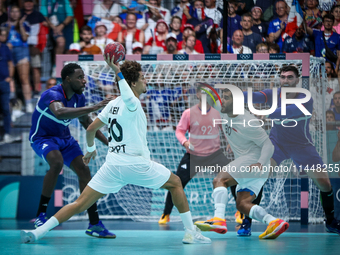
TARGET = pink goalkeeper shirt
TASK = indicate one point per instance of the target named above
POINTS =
(203, 136)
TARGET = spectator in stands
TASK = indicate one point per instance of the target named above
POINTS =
(74, 49)
(59, 16)
(171, 44)
(150, 17)
(262, 48)
(300, 42)
(137, 48)
(313, 15)
(273, 48)
(131, 34)
(336, 107)
(39, 31)
(251, 39)
(237, 46)
(332, 40)
(85, 45)
(107, 9)
(268, 9)
(211, 42)
(330, 116)
(175, 27)
(6, 76)
(155, 44)
(100, 38)
(3, 13)
(277, 26)
(190, 42)
(17, 41)
(234, 21)
(134, 7)
(51, 83)
(178, 10)
(336, 13)
(332, 78)
(259, 26)
(244, 6)
(188, 30)
(212, 12)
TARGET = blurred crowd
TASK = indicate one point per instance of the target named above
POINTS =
(33, 32)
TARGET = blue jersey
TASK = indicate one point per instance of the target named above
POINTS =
(292, 45)
(274, 26)
(333, 43)
(298, 135)
(44, 122)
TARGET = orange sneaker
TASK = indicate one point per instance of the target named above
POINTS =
(215, 224)
(164, 219)
(274, 229)
(239, 217)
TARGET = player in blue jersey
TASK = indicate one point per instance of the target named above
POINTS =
(51, 139)
(296, 142)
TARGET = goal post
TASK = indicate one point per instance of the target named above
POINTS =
(171, 90)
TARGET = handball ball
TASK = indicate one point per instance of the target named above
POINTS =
(115, 49)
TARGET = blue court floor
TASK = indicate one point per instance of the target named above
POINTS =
(150, 238)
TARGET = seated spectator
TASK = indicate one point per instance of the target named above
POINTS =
(277, 26)
(100, 38)
(336, 13)
(150, 17)
(199, 22)
(273, 48)
(234, 21)
(332, 39)
(212, 12)
(336, 105)
(237, 46)
(262, 48)
(178, 10)
(74, 49)
(51, 83)
(330, 116)
(244, 6)
(313, 15)
(268, 9)
(332, 83)
(135, 8)
(175, 27)
(131, 34)
(251, 39)
(37, 41)
(137, 48)
(190, 42)
(259, 26)
(3, 13)
(60, 20)
(211, 42)
(85, 45)
(171, 44)
(17, 42)
(155, 43)
(188, 30)
(107, 9)
(300, 42)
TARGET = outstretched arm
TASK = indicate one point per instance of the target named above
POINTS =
(126, 93)
(86, 121)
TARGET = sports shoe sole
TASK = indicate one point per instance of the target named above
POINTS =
(99, 236)
(27, 236)
(207, 227)
(332, 231)
(277, 231)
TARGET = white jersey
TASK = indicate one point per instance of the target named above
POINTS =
(243, 139)
(127, 134)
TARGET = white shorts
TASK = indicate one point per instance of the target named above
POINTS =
(110, 178)
(247, 181)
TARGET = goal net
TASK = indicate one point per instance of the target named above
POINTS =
(171, 90)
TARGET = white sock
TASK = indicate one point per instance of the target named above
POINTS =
(260, 214)
(220, 196)
(42, 230)
(187, 220)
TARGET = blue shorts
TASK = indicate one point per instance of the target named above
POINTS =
(302, 155)
(19, 53)
(68, 147)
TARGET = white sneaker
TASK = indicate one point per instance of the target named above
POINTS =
(9, 138)
(29, 108)
(194, 236)
(27, 236)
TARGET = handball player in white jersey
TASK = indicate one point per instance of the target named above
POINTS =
(252, 149)
(128, 159)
